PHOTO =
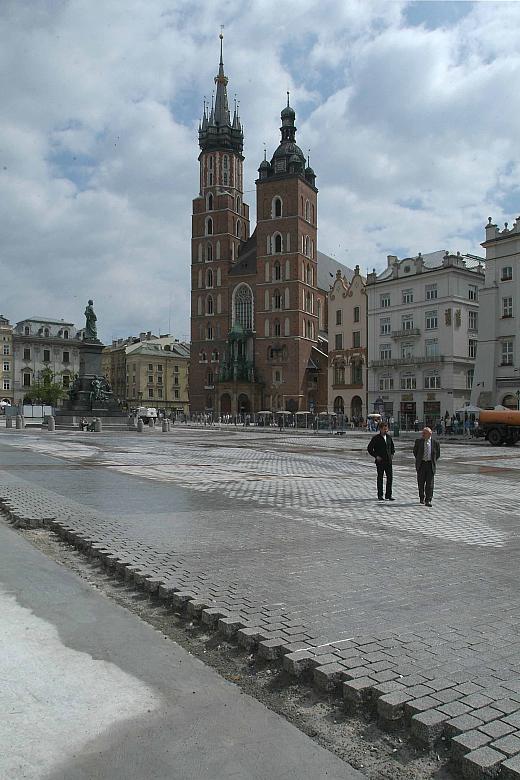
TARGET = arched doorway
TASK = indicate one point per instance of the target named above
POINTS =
(510, 401)
(339, 405)
(244, 405)
(356, 407)
(225, 404)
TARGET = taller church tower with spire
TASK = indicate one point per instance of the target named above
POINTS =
(255, 300)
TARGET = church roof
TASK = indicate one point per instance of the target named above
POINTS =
(327, 267)
(246, 264)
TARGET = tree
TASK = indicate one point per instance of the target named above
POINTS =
(46, 390)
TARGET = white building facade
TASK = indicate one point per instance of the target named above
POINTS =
(422, 336)
(40, 343)
(497, 371)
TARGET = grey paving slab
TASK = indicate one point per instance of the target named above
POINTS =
(288, 527)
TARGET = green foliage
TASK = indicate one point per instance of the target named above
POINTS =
(46, 390)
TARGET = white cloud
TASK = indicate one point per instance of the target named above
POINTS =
(413, 134)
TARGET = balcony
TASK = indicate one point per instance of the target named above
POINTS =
(414, 360)
(406, 333)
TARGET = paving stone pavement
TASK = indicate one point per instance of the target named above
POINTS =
(277, 542)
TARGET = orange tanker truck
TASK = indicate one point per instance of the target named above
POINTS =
(499, 426)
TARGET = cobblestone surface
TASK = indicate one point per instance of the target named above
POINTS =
(276, 541)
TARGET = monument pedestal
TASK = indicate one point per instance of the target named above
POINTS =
(85, 400)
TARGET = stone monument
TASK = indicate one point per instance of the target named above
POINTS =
(90, 394)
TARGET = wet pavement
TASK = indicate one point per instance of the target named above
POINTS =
(282, 534)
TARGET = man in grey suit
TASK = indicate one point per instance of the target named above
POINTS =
(427, 452)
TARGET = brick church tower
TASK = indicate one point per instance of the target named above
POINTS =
(220, 225)
(255, 299)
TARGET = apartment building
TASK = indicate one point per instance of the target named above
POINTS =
(497, 371)
(422, 335)
(7, 364)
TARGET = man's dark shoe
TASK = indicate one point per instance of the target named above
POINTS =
(421, 500)
(389, 498)
(380, 498)
(428, 503)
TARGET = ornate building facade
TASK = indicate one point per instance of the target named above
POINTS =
(257, 306)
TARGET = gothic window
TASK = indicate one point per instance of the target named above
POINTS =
(243, 306)
(203, 358)
(209, 278)
(276, 209)
(307, 246)
(267, 271)
(219, 304)
(278, 243)
(287, 269)
(287, 298)
(239, 208)
(277, 271)
(308, 305)
(209, 304)
(215, 356)
(209, 378)
(209, 253)
(277, 328)
(211, 163)
(266, 300)
(287, 327)
(199, 305)
(219, 277)
(312, 213)
(210, 202)
(209, 333)
(209, 226)
(301, 205)
(199, 279)
(277, 300)
(65, 334)
(266, 328)
(308, 274)
(307, 211)
(200, 253)
(239, 228)
(309, 329)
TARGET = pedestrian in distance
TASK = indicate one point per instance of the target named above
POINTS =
(381, 447)
(427, 452)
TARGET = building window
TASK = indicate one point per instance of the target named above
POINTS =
(339, 316)
(277, 271)
(176, 381)
(46, 332)
(470, 375)
(277, 299)
(66, 357)
(384, 325)
(176, 394)
(386, 383)
(209, 226)
(159, 367)
(431, 347)
(357, 372)
(6, 365)
(406, 350)
(472, 348)
(46, 356)
(473, 293)
(356, 338)
(431, 292)
(209, 305)
(277, 376)
(150, 392)
(338, 340)
(7, 384)
(150, 379)
(307, 211)
(407, 322)
(473, 320)
(507, 353)
(66, 380)
(507, 307)
(27, 331)
(243, 306)
(431, 320)
(432, 382)
(209, 253)
(356, 313)
(385, 352)
(507, 273)
(209, 333)
(408, 383)
(277, 207)
(407, 296)
(6, 349)
(26, 380)
(339, 374)
(385, 301)
(65, 334)
(159, 380)
(277, 328)
(159, 392)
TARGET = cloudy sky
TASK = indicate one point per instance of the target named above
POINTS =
(410, 110)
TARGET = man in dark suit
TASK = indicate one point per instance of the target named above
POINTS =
(427, 452)
(382, 448)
